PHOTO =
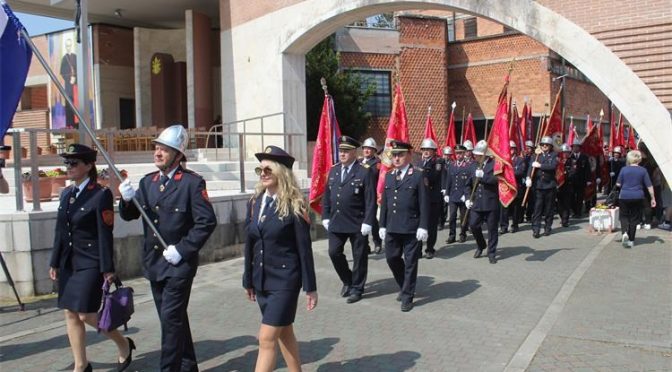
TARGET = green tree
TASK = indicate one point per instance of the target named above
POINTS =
(345, 88)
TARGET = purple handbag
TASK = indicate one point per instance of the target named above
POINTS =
(117, 307)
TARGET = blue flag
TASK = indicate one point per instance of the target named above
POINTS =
(15, 56)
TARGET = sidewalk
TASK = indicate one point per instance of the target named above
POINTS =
(569, 302)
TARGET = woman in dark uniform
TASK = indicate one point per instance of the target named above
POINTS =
(82, 256)
(278, 257)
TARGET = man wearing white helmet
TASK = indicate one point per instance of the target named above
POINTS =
(485, 204)
(432, 167)
(514, 210)
(370, 158)
(468, 147)
(529, 158)
(542, 173)
(565, 191)
(447, 160)
(459, 172)
(579, 175)
(177, 201)
(616, 163)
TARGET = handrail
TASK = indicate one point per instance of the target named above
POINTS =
(213, 129)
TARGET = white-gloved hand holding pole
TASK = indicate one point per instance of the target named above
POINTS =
(126, 190)
(172, 255)
(421, 234)
(325, 223)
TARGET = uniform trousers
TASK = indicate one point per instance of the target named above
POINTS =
(564, 203)
(355, 278)
(476, 219)
(630, 211)
(514, 212)
(171, 297)
(529, 208)
(404, 270)
(544, 200)
(444, 215)
(452, 224)
(377, 242)
(433, 226)
(578, 192)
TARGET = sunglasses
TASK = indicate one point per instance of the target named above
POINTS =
(398, 154)
(266, 171)
(72, 162)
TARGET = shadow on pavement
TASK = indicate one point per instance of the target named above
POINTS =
(311, 352)
(454, 249)
(11, 314)
(534, 255)
(434, 292)
(22, 350)
(381, 287)
(399, 361)
(648, 240)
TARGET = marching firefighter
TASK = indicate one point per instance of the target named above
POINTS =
(370, 158)
(432, 167)
(566, 190)
(514, 210)
(458, 174)
(447, 159)
(542, 174)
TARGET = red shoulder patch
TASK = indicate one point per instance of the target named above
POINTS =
(204, 193)
(155, 178)
(108, 217)
(178, 176)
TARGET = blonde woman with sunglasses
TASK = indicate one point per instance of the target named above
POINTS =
(278, 257)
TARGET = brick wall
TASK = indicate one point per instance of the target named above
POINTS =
(38, 97)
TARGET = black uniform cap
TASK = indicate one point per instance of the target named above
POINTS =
(399, 146)
(276, 154)
(348, 143)
(79, 151)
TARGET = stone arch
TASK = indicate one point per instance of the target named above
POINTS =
(295, 29)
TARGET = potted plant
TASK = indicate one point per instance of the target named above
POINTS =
(107, 178)
(44, 184)
(58, 177)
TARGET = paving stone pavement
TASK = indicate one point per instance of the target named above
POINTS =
(469, 315)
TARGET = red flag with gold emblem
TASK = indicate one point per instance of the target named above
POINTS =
(397, 129)
(325, 154)
(498, 145)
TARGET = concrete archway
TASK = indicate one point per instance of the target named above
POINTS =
(276, 66)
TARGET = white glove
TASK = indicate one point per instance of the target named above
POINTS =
(536, 164)
(446, 199)
(612, 174)
(469, 204)
(381, 233)
(126, 190)
(588, 183)
(462, 199)
(366, 229)
(325, 223)
(443, 192)
(172, 255)
(421, 234)
(598, 181)
(478, 173)
(528, 182)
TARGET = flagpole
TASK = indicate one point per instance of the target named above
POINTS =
(463, 124)
(84, 124)
(527, 190)
(486, 130)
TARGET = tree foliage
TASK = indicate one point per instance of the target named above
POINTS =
(344, 87)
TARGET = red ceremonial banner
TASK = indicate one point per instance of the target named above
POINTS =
(324, 154)
(498, 145)
(397, 129)
(429, 129)
(450, 132)
(470, 131)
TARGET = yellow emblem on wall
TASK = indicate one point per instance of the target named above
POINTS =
(156, 66)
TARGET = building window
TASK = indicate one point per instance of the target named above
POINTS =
(380, 102)
(450, 25)
(470, 29)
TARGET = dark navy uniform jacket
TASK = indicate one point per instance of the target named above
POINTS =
(278, 251)
(579, 170)
(544, 177)
(433, 170)
(486, 195)
(184, 217)
(458, 174)
(374, 164)
(615, 166)
(405, 203)
(519, 171)
(84, 230)
(352, 202)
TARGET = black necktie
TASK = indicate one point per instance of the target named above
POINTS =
(345, 174)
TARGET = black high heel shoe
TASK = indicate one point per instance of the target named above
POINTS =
(129, 358)
(88, 368)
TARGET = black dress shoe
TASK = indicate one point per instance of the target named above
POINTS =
(536, 234)
(493, 259)
(478, 253)
(514, 229)
(345, 291)
(463, 239)
(399, 297)
(406, 306)
(451, 240)
(88, 368)
(503, 230)
(547, 232)
(354, 298)
(129, 358)
(565, 224)
(379, 248)
(429, 255)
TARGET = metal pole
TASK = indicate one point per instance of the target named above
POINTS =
(18, 182)
(83, 124)
(83, 68)
(241, 161)
(34, 171)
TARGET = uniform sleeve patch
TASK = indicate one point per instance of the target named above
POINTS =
(108, 217)
(204, 193)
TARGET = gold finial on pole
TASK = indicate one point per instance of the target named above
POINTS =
(323, 82)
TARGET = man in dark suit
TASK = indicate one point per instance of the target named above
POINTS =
(447, 159)
(514, 210)
(529, 158)
(370, 158)
(580, 177)
(176, 200)
(432, 167)
(348, 213)
(566, 190)
(542, 173)
(458, 174)
(616, 163)
(485, 204)
(404, 218)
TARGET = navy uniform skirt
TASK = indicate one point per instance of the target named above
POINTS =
(80, 291)
(278, 308)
